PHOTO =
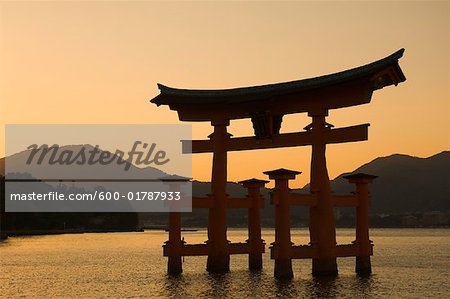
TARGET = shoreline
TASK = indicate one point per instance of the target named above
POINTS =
(163, 229)
(68, 232)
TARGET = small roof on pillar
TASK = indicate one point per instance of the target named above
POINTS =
(347, 88)
(253, 180)
(282, 171)
(359, 175)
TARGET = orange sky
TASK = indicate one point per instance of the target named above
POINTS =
(85, 62)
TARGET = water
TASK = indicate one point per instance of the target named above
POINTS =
(408, 263)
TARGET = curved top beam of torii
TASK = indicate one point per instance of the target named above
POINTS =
(343, 89)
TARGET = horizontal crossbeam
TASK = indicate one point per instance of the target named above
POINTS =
(340, 135)
(299, 199)
(202, 249)
(232, 202)
(309, 252)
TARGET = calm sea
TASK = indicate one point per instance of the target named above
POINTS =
(407, 263)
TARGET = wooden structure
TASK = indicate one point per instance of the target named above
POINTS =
(265, 106)
(319, 249)
(364, 247)
(175, 247)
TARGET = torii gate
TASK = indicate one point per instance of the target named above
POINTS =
(265, 106)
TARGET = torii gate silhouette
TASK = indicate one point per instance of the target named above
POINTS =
(265, 106)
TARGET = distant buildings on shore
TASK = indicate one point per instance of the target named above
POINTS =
(429, 219)
(425, 219)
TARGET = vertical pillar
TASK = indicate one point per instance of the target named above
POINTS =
(175, 244)
(218, 255)
(3, 234)
(282, 245)
(322, 223)
(254, 222)
(361, 181)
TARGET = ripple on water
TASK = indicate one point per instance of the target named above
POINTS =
(407, 263)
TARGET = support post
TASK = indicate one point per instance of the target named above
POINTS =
(175, 243)
(218, 256)
(3, 234)
(254, 222)
(322, 223)
(282, 245)
(361, 181)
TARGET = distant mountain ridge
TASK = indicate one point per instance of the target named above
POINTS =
(17, 163)
(406, 184)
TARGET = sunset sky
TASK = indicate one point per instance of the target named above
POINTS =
(99, 62)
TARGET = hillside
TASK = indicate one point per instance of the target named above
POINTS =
(406, 184)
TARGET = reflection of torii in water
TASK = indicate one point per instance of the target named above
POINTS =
(265, 106)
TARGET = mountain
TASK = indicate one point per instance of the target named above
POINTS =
(17, 163)
(45, 223)
(405, 184)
